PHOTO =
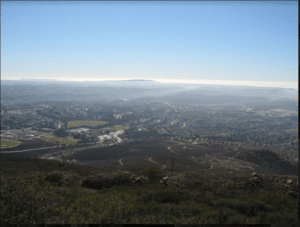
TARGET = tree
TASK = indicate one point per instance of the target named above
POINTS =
(61, 133)
(153, 174)
(51, 125)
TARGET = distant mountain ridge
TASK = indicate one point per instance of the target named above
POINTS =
(41, 90)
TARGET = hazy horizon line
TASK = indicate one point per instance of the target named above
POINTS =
(277, 84)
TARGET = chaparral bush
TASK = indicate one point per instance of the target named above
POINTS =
(154, 174)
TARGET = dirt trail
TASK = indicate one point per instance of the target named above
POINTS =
(162, 166)
(150, 159)
(237, 154)
(120, 161)
(169, 148)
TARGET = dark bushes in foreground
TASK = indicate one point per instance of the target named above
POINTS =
(55, 178)
(162, 196)
(154, 174)
(41, 199)
(28, 201)
(96, 182)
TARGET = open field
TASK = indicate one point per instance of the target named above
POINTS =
(8, 144)
(64, 140)
(72, 124)
(292, 130)
(118, 127)
(285, 111)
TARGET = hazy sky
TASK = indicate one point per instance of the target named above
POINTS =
(211, 41)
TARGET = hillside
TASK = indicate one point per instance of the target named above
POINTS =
(78, 193)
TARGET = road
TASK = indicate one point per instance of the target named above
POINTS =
(41, 148)
(170, 105)
(28, 150)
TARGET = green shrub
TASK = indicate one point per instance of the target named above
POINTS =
(167, 195)
(109, 208)
(199, 196)
(146, 196)
(229, 184)
(121, 179)
(278, 217)
(154, 174)
(28, 201)
(55, 178)
(164, 196)
(95, 182)
(270, 218)
(207, 187)
(250, 208)
(72, 180)
(287, 217)
(192, 209)
(208, 198)
(185, 195)
(237, 219)
(279, 201)
(223, 215)
(224, 193)
(119, 173)
(245, 197)
(210, 217)
(193, 220)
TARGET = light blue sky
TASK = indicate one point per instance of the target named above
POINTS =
(232, 41)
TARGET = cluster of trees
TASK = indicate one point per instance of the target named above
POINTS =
(82, 136)
(61, 132)
(47, 124)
